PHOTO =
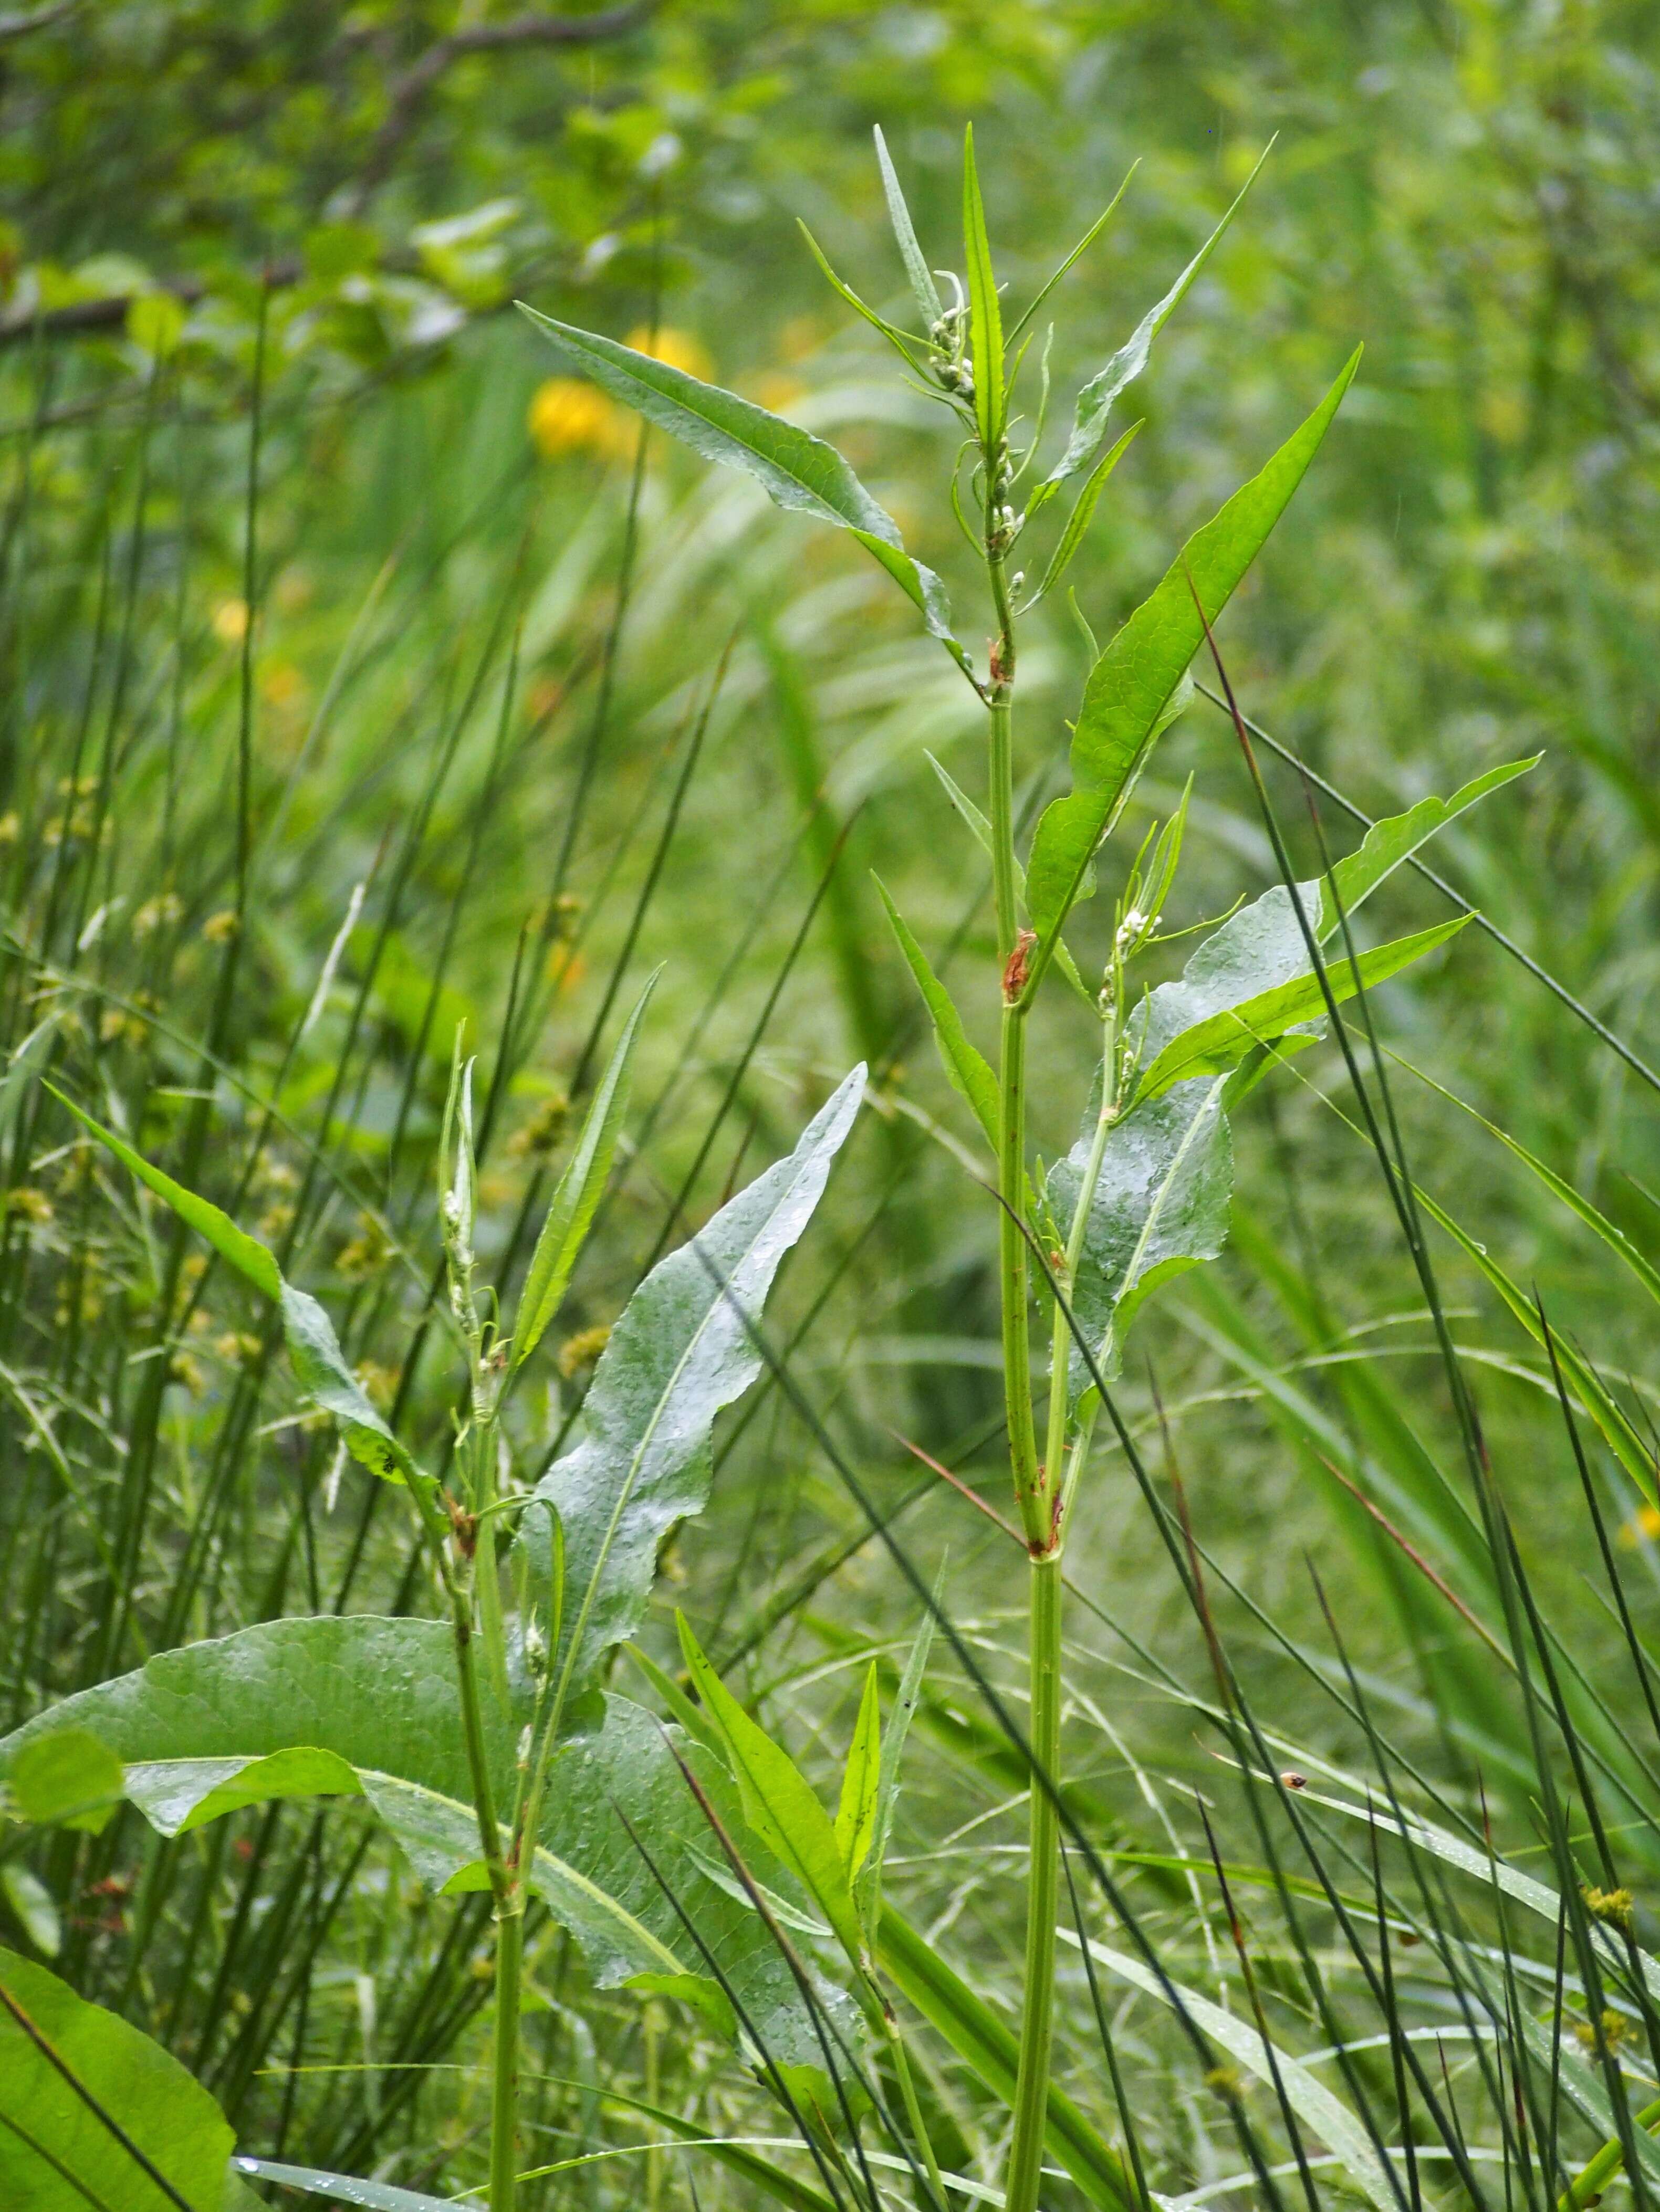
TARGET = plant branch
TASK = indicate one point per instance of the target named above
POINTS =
(409, 93)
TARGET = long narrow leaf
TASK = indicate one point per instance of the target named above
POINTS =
(1094, 400)
(796, 470)
(904, 231)
(970, 1075)
(1138, 672)
(779, 1803)
(985, 315)
(319, 1363)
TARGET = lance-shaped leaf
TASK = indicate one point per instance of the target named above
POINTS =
(795, 469)
(319, 1365)
(1221, 1039)
(904, 231)
(370, 1708)
(867, 1881)
(1391, 843)
(56, 2153)
(861, 1781)
(1077, 521)
(1094, 400)
(985, 314)
(1138, 674)
(779, 1802)
(1252, 982)
(970, 1075)
(683, 1348)
(570, 1211)
(1160, 1206)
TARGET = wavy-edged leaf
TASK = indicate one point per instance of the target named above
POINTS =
(319, 1365)
(1094, 400)
(862, 1781)
(1308, 2096)
(795, 469)
(922, 285)
(970, 1073)
(245, 1254)
(779, 1803)
(1137, 674)
(1222, 1039)
(571, 1210)
(1161, 1206)
(682, 1350)
(366, 1707)
(985, 314)
(55, 2152)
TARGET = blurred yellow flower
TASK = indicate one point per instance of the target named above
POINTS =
(775, 390)
(568, 416)
(1646, 1522)
(230, 620)
(678, 348)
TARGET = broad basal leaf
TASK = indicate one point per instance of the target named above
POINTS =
(683, 1349)
(795, 469)
(55, 2152)
(367, 1707)
(1137, 674)
(319, 1365)
(1160, 1206)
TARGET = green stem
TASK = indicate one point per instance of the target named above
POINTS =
(504, 2091)
(918, 2125)
(505, 1888)
(1029, 1478)
(1043, 1882)
(1589, 2183)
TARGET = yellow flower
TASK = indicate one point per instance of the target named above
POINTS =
(677, 348)
(1646, 1522)
(230, 620)
(568, 416)
(219, 928)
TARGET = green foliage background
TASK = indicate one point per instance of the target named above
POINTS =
(564, 718)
